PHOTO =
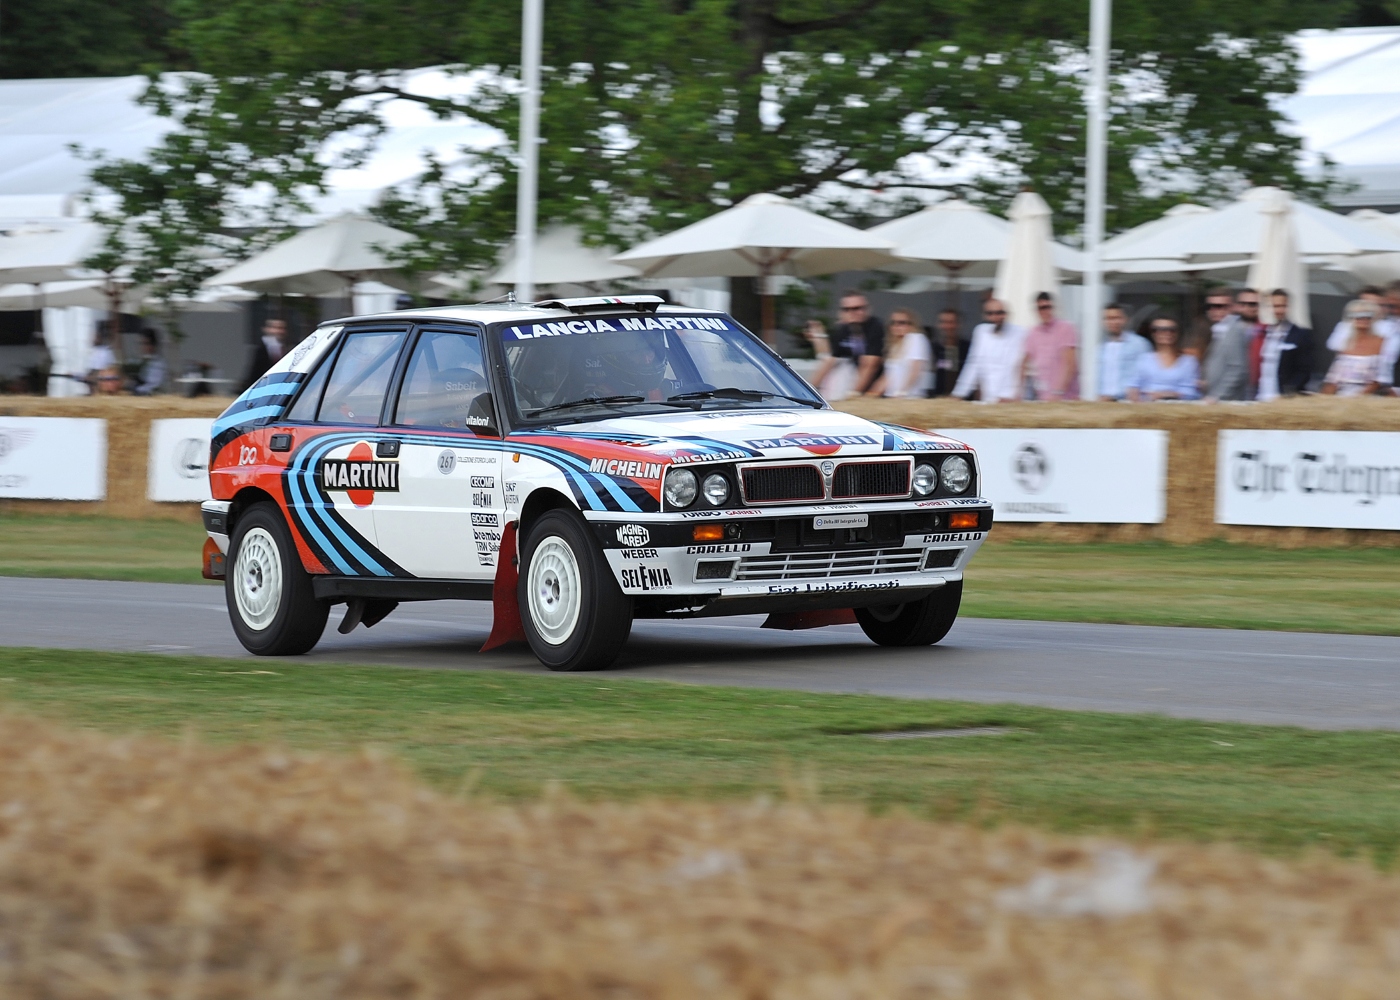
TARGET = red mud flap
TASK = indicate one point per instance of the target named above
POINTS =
(213, 560)
(794, 620)
(505, 608)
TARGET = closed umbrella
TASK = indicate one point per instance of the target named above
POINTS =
(325, 260)
(762, 236)
(1029, 267)
(1277, 264)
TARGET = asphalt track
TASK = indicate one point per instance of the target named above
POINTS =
(1306, 679)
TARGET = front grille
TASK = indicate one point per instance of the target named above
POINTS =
(778, 483)
(871, 479)
(829, 565)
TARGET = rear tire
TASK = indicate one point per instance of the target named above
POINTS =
(917, 623)
(270, 600)
(575, 615)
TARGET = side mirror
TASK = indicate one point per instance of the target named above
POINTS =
(481, 416)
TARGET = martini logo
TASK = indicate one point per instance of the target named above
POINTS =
(817, 444)
(359, 475)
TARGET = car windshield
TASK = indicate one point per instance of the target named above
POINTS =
(590, 367)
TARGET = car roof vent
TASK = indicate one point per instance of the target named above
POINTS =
(641, 303)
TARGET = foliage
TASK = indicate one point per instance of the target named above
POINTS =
(656, 114)
(57, 38)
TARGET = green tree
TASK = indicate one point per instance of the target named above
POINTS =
(57, 38)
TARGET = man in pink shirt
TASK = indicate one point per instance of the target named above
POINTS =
(1050, 354)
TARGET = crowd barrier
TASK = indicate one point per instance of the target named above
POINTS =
(1293, 473)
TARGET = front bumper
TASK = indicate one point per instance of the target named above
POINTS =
(779, 557)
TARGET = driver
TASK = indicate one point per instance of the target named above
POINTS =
(632, 364)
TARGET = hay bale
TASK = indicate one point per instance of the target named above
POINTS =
(131, 867)
(128, 443)
(1190, 457)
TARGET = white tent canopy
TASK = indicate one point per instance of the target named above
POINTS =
(561, 258)
(1381, 268)
(40, 253)
(325, 260)
(89, 293)
(1236, 232)
(765, 234)
(958, 240)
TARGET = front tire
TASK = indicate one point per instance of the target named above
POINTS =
(271, 603)
(917, 623)
(575, 615)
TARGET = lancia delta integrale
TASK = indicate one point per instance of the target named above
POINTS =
(579, 463)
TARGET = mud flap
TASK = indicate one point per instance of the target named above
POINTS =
(505, 608)
(795, 620)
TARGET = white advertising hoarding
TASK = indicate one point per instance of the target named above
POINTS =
(1072, 475)
(177, 467)
(1314, 479)
(53, 458)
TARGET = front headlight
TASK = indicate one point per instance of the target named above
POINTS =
(956, 474)
(716, 489)
(680, 487)
(925, 480)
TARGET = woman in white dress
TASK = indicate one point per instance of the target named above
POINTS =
(908, 358)
(1359, 369)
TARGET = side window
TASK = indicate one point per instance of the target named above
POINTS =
(304, 409)
(445, 374)
(355, 391)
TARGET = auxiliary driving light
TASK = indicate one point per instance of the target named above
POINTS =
(708, 533)
(963, 521)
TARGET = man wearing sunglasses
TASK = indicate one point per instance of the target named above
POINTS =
(859, 337)
(1225, 374)
(993, 364)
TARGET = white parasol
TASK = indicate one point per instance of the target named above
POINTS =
(328, 259)
(1277, 264)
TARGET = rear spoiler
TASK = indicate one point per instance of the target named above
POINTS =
(611, 303)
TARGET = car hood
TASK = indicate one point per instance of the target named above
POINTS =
(748, 434)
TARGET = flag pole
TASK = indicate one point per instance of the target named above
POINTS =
(531, 30)
(1095, 195)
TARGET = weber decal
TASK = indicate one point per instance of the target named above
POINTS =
(343, 474)
(639, 554)
(631, 470)
(645, 577)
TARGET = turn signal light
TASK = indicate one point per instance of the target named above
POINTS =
(708, 533)
(964, 520)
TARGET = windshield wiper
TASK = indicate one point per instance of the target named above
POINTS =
(750, 395)
(586, 401)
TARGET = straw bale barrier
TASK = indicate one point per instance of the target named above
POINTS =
(1190, 472)
(138, 868)
(1190, 457)
(128, 441)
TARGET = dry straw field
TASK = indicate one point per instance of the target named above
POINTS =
(137, 868)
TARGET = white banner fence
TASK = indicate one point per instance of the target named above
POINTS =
(177, 467)
(53, 458)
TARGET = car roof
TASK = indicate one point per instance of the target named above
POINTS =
(517, 312)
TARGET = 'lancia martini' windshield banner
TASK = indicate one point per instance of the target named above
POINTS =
(613, 324)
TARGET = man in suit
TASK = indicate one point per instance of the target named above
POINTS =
(1286, 355)
(950, 349)
(268, 351)
(1226, 370)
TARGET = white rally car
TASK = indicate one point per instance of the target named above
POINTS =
(579, 463)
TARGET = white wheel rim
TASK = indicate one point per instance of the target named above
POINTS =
(554, 590)
(257, 579)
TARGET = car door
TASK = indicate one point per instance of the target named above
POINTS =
(445, 521)
(336, 476)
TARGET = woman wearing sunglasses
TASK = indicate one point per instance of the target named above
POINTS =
(908, 357)
(1165, 373)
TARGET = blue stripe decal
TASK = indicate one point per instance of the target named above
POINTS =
(303, 508)
(275, 389)
(262, 413)
(316, 508)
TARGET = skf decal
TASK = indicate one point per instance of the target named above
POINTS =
(631, 470)
(817, 444)
(646, 577)
(360, 475)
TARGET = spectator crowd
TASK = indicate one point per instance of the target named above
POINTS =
(1229, 354)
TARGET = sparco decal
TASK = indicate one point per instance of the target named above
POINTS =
(633, 535)
(631, 470)
(485, 520)
(645, 577)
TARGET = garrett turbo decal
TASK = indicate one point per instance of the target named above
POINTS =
(630, 470)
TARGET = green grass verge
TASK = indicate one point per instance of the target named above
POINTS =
(100, 548)
(509, 735)
(1219, 585)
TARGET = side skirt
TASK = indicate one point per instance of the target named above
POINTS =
(344, 588)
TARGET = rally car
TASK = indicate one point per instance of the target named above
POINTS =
(579, 463)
